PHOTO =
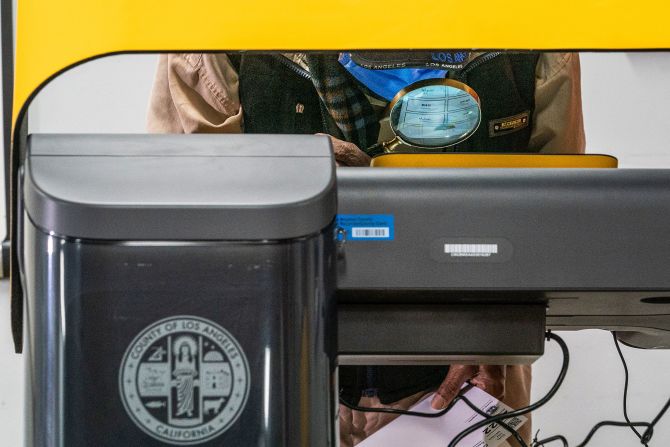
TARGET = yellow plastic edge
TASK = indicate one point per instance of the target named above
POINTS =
(493, 161)
(54, 35)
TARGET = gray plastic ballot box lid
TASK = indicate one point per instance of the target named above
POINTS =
(174, 187)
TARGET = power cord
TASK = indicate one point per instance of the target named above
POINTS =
(532, 407)
(399, 411)
(625, 389)
(593, 431)
(502, 423)
(488, 419)
(644, 437)
(440, 413)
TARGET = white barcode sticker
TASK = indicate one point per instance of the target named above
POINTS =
(370, 232)
(468, 250)
(366, 227)
(471, 250)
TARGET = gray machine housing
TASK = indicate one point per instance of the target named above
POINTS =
(155, 266)
(122, 231)
(168, 187)
(588, 247)
(591, 247)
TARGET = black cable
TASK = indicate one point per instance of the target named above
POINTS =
(399, 411)
(648, 433)
(503, 424)
(537, 443)
(625, 388)
(599, 425)
(489, 419)
(593, 431)
(529, 408)
(660, 414)
(440, 413)
(645, 437)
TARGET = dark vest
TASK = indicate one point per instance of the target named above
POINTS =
(506, 88)
(277, 98)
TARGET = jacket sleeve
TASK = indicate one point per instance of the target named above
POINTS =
(195, 93)
(558, 125)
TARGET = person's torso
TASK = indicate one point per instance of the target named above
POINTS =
(278, 96)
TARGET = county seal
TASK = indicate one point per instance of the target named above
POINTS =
(184, 380)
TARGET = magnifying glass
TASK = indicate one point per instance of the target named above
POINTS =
(433, 114)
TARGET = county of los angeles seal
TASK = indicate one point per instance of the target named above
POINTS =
(184, 380)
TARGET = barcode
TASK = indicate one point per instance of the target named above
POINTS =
(475, 250)
(370, 232)
(514, 422)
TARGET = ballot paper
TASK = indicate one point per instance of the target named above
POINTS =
(412, 431)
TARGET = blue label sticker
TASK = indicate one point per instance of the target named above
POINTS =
(365, 227)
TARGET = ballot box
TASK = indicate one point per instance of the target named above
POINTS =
(180, 291)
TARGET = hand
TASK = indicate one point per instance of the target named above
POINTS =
(490, 378)
(348, 154)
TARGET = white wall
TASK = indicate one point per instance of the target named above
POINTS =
(104, 95)
(625, 102)
(625, 99)
(625, 107)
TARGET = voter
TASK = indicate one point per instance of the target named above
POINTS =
(517, 102)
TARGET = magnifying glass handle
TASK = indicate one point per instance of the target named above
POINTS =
(375, 149)
(391, 146)
(383, 148)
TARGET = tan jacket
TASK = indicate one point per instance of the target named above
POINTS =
(198, 93)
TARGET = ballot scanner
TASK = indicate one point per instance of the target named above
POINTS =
(203, 289)
(180, 290)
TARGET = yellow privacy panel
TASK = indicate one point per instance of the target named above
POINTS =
(52, 35)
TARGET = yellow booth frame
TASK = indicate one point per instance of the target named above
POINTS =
(53, 36)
